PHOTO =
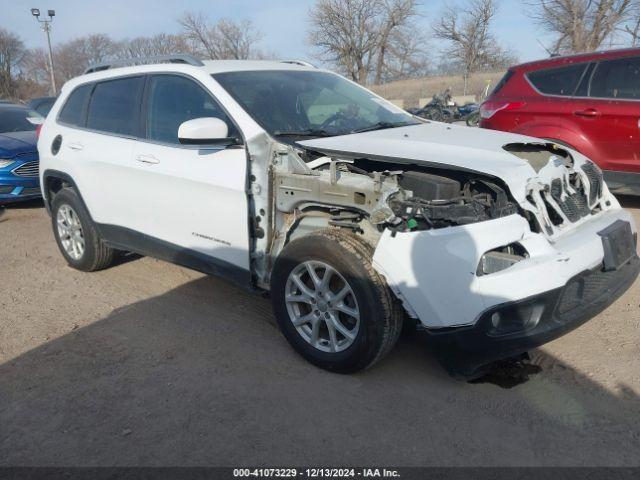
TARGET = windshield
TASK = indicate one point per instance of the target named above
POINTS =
(303, 103)
(18, 120)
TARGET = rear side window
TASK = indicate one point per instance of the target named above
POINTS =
(173, 100)
(503, 81)
(557, 81)
(73, 111)
(115, 105)
(617, 79)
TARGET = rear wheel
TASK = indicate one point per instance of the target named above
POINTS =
(76, 235)
(331, 305)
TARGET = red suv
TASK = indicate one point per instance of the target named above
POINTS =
(590, 102)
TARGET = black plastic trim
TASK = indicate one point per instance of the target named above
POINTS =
(465, 351)
(64, 177)
(123, 238)
(622, 183)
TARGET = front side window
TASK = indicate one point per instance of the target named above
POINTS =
(618, 79)
(558, 81)
(114, 106)
(300, 103)
(73, 110)
(18, 120)
(173, 100)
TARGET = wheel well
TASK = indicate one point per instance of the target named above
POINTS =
(52, 186)
(54, 182)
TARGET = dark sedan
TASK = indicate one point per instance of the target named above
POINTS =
(41, 105)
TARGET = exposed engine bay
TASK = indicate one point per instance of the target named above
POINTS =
(414, 198)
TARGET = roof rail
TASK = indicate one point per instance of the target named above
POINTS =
(127, 62)
(302, 63)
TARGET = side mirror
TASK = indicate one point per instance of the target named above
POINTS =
(205, 131)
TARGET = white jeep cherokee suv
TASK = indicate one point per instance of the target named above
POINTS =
(353, 214)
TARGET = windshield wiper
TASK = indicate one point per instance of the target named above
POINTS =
(382, 126)
(310, 132)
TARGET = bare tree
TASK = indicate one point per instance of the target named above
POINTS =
(71, 58)
(161, 44)
(472, 47)
(368, 40)
(581, 25)
(11, 54)
(226, 39)
(408, 57)
(632, 28)
(346, 32)
(395, 34)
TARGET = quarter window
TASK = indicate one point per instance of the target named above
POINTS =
(557, 81)
(72, 112)
(617, 79)
(174, 100)
(114, 106)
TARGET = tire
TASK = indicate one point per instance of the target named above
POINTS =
(379, 321)
(68, 209)
(473, 120)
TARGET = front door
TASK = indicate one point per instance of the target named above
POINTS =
(190, 200)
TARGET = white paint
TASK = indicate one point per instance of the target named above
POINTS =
(434, 271)
(203, 129)
(196, 198)
(440, 144)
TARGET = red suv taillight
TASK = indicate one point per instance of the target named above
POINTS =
(38, 129)
(489, 108)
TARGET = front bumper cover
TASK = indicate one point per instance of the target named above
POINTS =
(465, 351)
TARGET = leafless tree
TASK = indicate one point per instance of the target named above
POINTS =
(581, 25)
(408, 56)
(226, 39)
(368, 40)
(161, 44)
(472, 47)
(345, 32)
(632, 28)
(397, 35)
(11, 54)
(71, 58)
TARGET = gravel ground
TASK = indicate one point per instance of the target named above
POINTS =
(151, 364)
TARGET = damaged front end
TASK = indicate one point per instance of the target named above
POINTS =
(372, 195)
(489, 251)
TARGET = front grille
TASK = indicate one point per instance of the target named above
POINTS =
(573, 205)
(29, 169)
(595, 181)
(573, 195)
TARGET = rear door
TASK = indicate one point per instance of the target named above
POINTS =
(609, 116)
(555, 87)
(190, 199)
(98, 146)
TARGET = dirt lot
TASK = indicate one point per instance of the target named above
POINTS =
(151, 364)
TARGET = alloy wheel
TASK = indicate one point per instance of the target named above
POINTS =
(70, 232)
(322, 306)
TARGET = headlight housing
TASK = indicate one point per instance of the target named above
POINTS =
(5, 163)
(501, 258)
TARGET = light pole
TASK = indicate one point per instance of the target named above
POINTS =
(46, 28)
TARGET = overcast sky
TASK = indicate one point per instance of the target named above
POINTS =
(283, 22)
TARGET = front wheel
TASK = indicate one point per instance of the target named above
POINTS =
(331, 305)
